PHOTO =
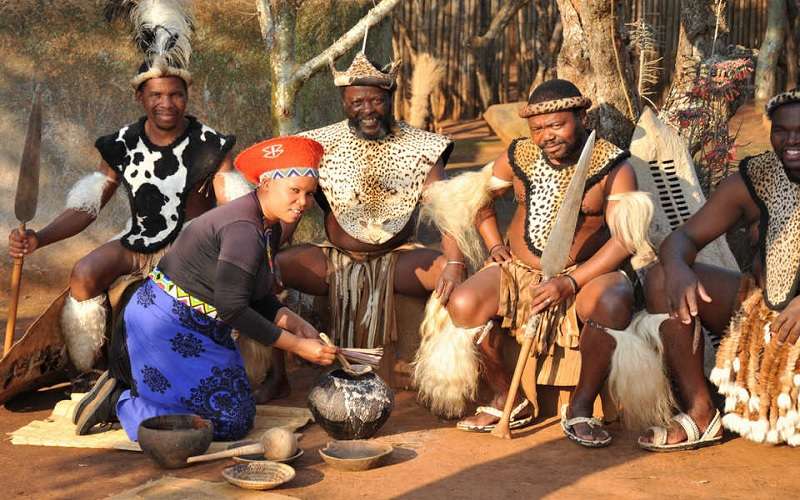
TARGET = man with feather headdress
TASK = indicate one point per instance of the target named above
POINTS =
(172, 167)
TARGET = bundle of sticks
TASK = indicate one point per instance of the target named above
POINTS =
(370, 357)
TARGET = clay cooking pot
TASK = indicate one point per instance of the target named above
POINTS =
(170, 439)
(350, 407)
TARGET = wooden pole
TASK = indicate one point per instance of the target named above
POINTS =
(502, 429)
(16, 278)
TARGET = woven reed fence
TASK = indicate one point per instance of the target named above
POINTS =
(526, 53)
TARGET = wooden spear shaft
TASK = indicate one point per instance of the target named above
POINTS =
(16, 278)
(25, 205)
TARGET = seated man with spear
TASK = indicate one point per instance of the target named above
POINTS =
(172, 167)
(559, 281)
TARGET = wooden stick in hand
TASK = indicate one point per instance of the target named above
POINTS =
(16, 278)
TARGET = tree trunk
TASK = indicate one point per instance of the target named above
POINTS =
(770, 51)
(698, 29)
(791, 47)
(277, 28)
(590, 59)
(480, 47)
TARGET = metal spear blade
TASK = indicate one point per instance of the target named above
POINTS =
(555, 254)
(28, 180)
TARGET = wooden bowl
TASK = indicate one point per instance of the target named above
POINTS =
(354, 455)
(170, 439)
(258, 475)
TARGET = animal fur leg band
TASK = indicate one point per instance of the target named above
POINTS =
(629, 223)
(638, 381)
(87, 194)
(447, 364)
(234, 185)
(257, 359)
(83, 324)
(452, 206)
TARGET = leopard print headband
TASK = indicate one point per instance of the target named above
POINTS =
(781, 99)
(555, 106)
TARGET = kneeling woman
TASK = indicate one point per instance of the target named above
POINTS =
(217, 276)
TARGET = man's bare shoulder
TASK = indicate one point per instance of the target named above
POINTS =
(732, 195)
(502, 167)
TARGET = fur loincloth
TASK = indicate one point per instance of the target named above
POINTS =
(759, 378)
(361, 295)
(556, 344)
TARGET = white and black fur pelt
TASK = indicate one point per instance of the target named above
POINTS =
(158, 179)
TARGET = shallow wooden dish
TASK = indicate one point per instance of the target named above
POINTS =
(258, 475)
(355, 455)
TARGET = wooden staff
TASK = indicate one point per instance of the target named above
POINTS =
(25, 206)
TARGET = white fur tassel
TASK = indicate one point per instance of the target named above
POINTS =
(754, 404)
(784, 401)
(446, 366)
(758, 430)
(87, 194)
(629, 223)
(638, 382)
(732, 422)
(452, 206)
(743, 395)
(720, 376)
(772, 436)
(793, 440)
(234, 185)
(83, 324)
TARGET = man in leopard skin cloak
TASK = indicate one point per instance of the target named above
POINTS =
(372, 178)
(593, 295)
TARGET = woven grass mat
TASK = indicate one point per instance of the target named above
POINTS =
(176, 488)
(58, 429)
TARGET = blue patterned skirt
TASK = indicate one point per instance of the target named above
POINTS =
(182, 361)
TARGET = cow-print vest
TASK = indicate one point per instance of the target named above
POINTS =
(159, 178)
(373, 186)
(778, 198)
(546, 185)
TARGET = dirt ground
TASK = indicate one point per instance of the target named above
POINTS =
(432, 458)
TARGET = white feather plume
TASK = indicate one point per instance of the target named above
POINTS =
(163, 29)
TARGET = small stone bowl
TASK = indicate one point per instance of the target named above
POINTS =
(354, 455)
(170, 439)
(258, 475)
